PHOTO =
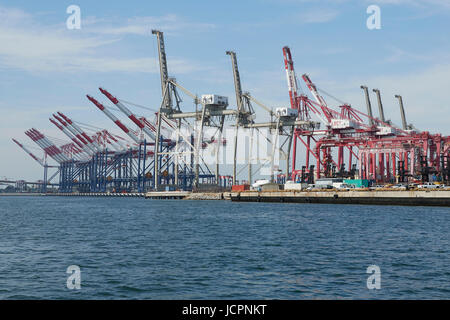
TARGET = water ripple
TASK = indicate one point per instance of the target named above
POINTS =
(140, 249)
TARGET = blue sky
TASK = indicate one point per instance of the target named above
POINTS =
(44, 67)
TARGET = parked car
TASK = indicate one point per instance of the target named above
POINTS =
(428, 185)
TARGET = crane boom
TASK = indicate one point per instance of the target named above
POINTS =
(71, 150)
(368, 104)
(49, 149)
(319, 99)
(41, 162)
(291, 77)
(237, 79)
(51, 145)
(380, 105)
(91, 149)
(259, 103)
(312, 87)
(114, 119)
(116, 141)
(128, 113)
(91, 142)
(163, 68)
(53, 151)
(71, 136)
(402, 112)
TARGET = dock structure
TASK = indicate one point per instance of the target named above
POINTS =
(186, 195)
(98, 194)
(401, 197)
(167, 195)
(439, 198)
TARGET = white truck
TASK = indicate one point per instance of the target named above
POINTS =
(341, 186)
(428, 185)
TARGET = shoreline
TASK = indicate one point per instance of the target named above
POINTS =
(400, 197)
(439, 198)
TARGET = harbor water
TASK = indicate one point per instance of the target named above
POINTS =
(132, 248)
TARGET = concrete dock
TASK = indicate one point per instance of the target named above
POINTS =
(186, 195)
(167, 194)
(391, 197)
(368, 197)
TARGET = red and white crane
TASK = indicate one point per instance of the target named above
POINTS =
(115, 140)
(114, 119)
(71, 136)
(91, 148)
(296, 99)
(81, 132)
(49, 150)
(72, 151)
(49, 147)
(291, 77)
(40, 161)
(102, 138)
(319, 99)
(128, 113)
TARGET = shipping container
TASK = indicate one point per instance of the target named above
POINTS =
(240, 187)
(358, 183)
(295, 186)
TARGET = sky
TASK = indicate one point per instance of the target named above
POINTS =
(45, 67)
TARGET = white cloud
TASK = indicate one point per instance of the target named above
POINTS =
(142, 26)
(318, 15)
(32, 47)
(421, 3)
(28, 43)
(93, 64)
(400, 55)
(13, 16)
